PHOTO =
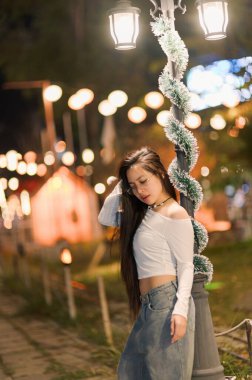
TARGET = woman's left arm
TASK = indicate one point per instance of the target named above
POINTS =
(182, 243)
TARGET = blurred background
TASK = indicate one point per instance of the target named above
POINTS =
(70, 107)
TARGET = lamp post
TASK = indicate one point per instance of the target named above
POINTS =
(66, 259)
(78, 102)
(50, 94)
(213, 19)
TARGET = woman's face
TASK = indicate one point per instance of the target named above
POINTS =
(146, 186)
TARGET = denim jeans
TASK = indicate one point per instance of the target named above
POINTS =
(149, 353)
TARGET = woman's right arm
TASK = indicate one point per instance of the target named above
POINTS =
(110, 214)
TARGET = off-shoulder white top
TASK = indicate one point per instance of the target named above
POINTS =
(161, 246)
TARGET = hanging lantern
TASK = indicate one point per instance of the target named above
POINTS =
(124, 25)
(213, 16)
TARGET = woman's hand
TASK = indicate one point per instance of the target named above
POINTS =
(178, 327)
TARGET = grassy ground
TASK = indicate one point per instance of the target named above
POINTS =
(229, 292)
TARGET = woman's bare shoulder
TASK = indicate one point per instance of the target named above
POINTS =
(175, 211)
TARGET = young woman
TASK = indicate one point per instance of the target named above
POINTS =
(156, 240)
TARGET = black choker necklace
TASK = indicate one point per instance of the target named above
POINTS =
(151, 207)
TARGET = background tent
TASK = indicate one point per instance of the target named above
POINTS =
(65, 208)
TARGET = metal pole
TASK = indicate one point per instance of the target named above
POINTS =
(69, 290)
(82, 129)
(68, 132)
(105, 311)
(206, 357)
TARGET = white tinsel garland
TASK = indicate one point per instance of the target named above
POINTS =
(202, 265)
(200, 235)
(179, 135)
(176, 91)
(160, 26)
(175, 49)
(179, 95)
(186, 184)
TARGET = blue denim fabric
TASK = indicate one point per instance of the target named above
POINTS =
(149, 353)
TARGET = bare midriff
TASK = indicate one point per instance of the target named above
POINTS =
(148, 283)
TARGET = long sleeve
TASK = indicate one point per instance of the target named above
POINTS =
(110, 212)
(181, 245)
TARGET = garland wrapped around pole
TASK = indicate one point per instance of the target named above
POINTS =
(173, 88)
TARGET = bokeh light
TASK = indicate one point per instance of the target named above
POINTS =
(162, 117)
(106, 108)
(60, 146)
(88, 156)
(86, 95)
(25, 202)
(68, 158)
(100, 188)
(41, 170)
(76, 102)
(12, 160)
(49, 158)
(30, 156)
(4, 183)
(204, 171)
(31, 168)
(118, 98)
(217, 122)
(193, 121)
(154, 99)
(13, 183)
(111, 180)
(3, 161)
(137, 115)
(52, 93)
(21, 168)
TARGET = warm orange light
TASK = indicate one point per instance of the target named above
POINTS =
(162, 117)
(49, 158)
(12, 160)
(137, 115)
(240, 122)
(88, 156)
(80, 170)
(100, 188)
(3, 161)
(75, 102)
(86, 95)
(60, 146)
(13, 183)
(30, 156)
(68, 158)
(106, 108)
(193, 121)
(41, 170)
(21, 168)
(118, 98)
(52, 93)
(233, 132)
(66, 256)
(4, 183)
(31, 168)
(154, 99)
(217, 122)
(25, 202)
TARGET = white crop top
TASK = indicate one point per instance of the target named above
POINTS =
(161, 246)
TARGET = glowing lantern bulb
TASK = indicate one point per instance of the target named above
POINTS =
(66, 256)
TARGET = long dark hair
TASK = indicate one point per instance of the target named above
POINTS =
(133, 213)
